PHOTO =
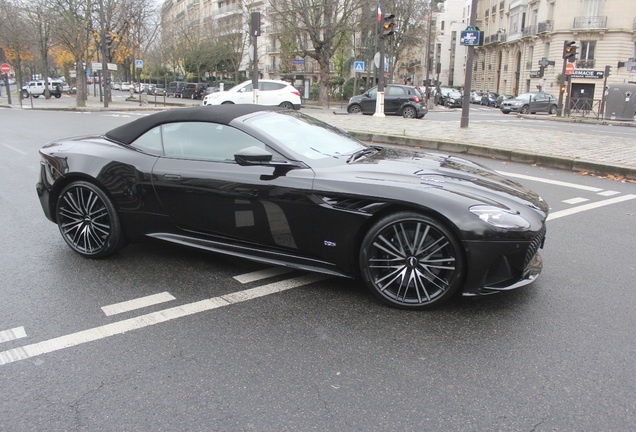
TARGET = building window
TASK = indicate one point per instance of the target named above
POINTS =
(587, 50)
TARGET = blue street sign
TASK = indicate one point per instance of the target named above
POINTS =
(139, 64)
(471, 38)
(358, 66)
(298, 61)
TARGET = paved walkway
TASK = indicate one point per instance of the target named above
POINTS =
(567, 147)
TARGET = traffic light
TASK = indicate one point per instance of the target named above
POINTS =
(569, 51)
(387, 25)
(563, 88)
(110, 41)
(541, 71)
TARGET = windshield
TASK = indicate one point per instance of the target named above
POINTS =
(304, 136)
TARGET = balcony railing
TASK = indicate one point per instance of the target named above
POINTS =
(590, 23)
(544, 27)
(585, 64)
(529, 31)
(495, 38)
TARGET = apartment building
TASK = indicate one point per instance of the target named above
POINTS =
(518, 34)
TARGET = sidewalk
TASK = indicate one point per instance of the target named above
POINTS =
(565, 148)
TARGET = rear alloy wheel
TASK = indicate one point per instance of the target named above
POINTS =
(411, 261)
(354, 109)
(409, 112)
(525, 109)
(88, 220)
(553, 109)
(287, 105)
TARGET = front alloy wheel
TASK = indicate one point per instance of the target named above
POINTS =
(88, 220)
(525, 109)
(354, 109)
(411, 261)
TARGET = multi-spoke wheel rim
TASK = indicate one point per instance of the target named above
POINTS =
(84, 220)
(355, 109)
(409, 112)
(412, 263)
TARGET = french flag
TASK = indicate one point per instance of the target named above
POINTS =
(379, 12)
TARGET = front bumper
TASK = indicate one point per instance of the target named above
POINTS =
(503, 265)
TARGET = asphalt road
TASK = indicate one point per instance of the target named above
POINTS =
(555, 356)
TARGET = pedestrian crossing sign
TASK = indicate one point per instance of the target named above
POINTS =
(358, 66)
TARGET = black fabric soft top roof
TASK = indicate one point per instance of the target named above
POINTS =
(222, 114)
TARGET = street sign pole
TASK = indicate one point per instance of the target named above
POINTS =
(379, 99)
(463, 123)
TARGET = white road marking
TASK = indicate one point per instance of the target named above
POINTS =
(17, 150)
(12, 334)
(589, 206)
(138, 303)
(120, 327)
(552, 182)
(608, 193)
(262, 274)
(577, 200)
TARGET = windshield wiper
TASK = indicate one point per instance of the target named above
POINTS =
(364, 152)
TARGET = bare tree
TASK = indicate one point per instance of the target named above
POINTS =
(14, 36)
(327, 24)
(75, 33)
(41, 17)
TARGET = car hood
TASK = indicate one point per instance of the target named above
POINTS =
(469, 182)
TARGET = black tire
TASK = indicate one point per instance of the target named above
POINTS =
(553, 110)
(24, 94)
(409, 112)
(36, 96)
(88, 221)
(525, 109)
(58, 95)
(287, 105)
(227, 103)
(411, 261)
(354, 109)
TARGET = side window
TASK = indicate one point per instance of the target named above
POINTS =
(373, 92)
(150, 142)
(394, 91)
(269, 86)
(205, 141)
(248, 88)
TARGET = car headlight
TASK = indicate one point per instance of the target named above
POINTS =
(501, 218)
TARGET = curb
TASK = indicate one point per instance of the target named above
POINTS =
(570, 164)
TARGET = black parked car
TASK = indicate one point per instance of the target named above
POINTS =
(489, 99)
(193, 91)
(279, 187)
(404, 100)
(454, 99)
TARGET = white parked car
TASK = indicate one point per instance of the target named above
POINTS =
(125, 86)
(271, 92)
(37, 88)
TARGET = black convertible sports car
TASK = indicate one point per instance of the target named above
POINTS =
(280, 187)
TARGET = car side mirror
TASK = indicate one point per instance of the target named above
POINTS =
(252, 156)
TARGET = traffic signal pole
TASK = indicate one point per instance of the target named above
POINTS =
(379, 99)
(561, 84)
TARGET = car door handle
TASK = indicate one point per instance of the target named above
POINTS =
(172, 176)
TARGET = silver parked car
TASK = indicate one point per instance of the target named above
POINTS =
(530, 103)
